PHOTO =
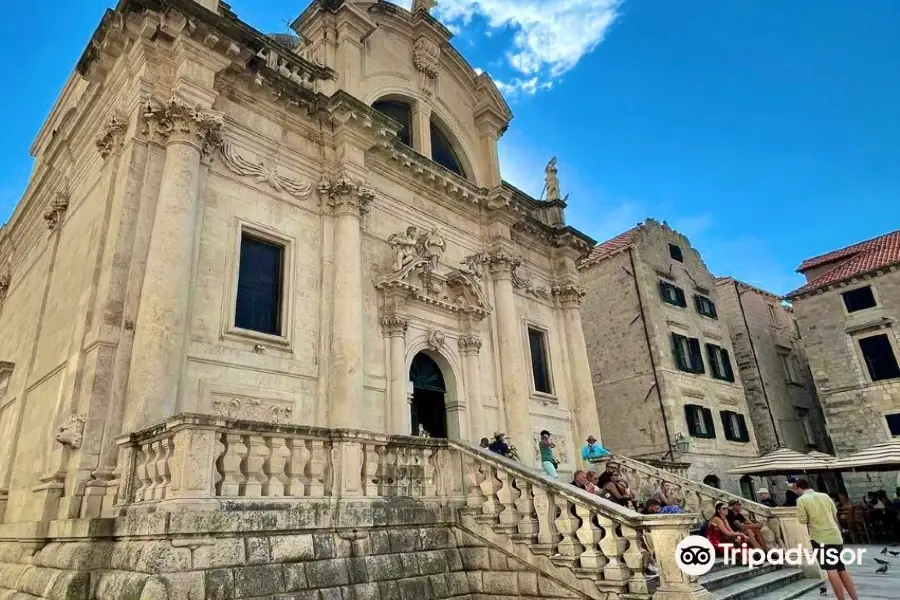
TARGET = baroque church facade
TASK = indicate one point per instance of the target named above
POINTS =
(312, 233)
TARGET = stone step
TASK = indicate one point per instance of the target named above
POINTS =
(759, 585)
(794, 590)
(725, 576)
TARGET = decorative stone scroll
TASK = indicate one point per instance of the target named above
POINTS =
(522, 283)
(415, 271)
(175, 121)
(262, 174)
(69, 433)
(426, 56)
(252, 409)
(111, 136)
(56, 211)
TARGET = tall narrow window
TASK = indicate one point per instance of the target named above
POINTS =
(259, 287)
(672, 294)
(773, 316)
(735, 426)
(400, 112)
(442, 151)
(719, 362)
(879, 357)
(540, 367)
(699, 421)
(705, 306)
(688, 357)
(801, 415)
(791, 374)
(859, 299)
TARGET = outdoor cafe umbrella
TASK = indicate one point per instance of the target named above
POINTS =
(780, 462)
(880, 457)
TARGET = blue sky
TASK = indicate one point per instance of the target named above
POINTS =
(766, 131)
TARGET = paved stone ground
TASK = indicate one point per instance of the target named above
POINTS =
(871, 585)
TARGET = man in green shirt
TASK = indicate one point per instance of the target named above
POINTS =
(548, 461)
(818, 512)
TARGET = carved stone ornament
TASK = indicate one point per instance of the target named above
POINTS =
(436, 339)
(522, 283)
(415, 270)
(345, 196)
(502, 263)
(394, 325)
(56, 211)
(252, 409)
(551, 181)
(426, 56)
(469, 344)
(70, 431)
(176, 121)
(263, 174)
(111, 136)
(568, 295)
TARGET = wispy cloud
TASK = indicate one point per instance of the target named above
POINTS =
(549, 37)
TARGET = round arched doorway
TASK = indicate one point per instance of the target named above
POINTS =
(428, 407)
(712, 481)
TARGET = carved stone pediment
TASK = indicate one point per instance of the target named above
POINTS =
(416, 272)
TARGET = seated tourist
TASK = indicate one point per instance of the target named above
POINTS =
(618, 491)
(499, 444)
(653, 507)
(765, 498)
(719, 533)
(740, 523)
(611, 468)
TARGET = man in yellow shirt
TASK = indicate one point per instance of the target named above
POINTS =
(818, 512)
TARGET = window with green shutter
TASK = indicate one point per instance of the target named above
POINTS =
(699, 421)
(720, 362)
(705, 306)
(688, 357)
(672, 294)
(735, 426)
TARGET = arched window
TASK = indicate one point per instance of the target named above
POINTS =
(442, 152)
(400, 112)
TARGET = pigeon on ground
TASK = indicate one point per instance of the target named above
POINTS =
(882, 569)
(884, 550)
(894, 553)
(882, 562)
(823, 590)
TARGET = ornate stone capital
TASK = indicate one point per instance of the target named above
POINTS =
(111, 136)
(469, 345)
(345, 196)
(55, 213)
(394, 326)
(502, 263)
(569, 295)
(177, 123)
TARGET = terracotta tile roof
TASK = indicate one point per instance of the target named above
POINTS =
(604, 249)
(858, 259)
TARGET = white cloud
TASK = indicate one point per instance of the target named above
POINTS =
(549, 36)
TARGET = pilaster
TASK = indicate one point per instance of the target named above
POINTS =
(394, 328)
(421, 128)
(470, 348)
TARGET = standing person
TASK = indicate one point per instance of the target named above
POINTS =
(593, 450)
(818, 512)
(790, 496)
(765, 499)
(548, 461)
(499, 444)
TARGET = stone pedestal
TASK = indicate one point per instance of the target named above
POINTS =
(664, 533)
(795, 535)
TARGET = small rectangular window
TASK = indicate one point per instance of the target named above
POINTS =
(699, 421)
(672, 294)
(259, 289)
(719, 363)
(773, 316)
(688, 357)
(879, 357)
(893, 422)
(735, 426)
(675, 253)
(790, 368)
(705, 306)
(859, 299)
(801, 415)
(540, 368)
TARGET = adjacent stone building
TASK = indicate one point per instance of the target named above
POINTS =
(847, 313)
(661, 355)
(773, 368)
(254, 227)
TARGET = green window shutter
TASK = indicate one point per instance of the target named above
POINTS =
(726, 424)
(689, 419)
(744, 432)
(681, 300)
(712, 310)
(696, 356)
(662, 291)
(680, 359)
(710, 424)
(698, 304)
(711, 357)
(726, 361)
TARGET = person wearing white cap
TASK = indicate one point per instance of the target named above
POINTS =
(765, 498)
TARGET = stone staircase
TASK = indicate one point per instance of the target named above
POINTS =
(767, 582)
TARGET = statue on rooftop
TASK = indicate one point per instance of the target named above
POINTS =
(425, 5)
(551, 181)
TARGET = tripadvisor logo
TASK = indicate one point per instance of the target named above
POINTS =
(695, 555)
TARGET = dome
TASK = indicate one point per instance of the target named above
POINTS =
(288, 40)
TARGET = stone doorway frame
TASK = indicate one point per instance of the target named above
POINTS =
(456, 413)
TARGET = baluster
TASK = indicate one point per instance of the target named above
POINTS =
(143, 477)
(528, 524)
(153, 452)
(636, 558)
(253, 466)
(589, 535)
(318, 463)
(163, 464)
(545, 511)
(491, 507)
(384, 472)
(429, 456)
(474, 479)
(506, 496)
(232, 477)
(370, 470)
(218, 473)
(296, 467)
(277, 455)
(402, 466)
(612, 545)
(416, 474)
(566, 524)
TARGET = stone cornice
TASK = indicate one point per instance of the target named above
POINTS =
(842, 284)
(348, 114)
(430, 174)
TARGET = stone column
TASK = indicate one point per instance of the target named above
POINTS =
(395, 330)
(348, 201)
(514, 377)
(664, 533)
(161, 324)
(470, 348)
(421, 128)
(584, 403)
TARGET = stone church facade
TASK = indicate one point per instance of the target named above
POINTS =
(226, 223)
